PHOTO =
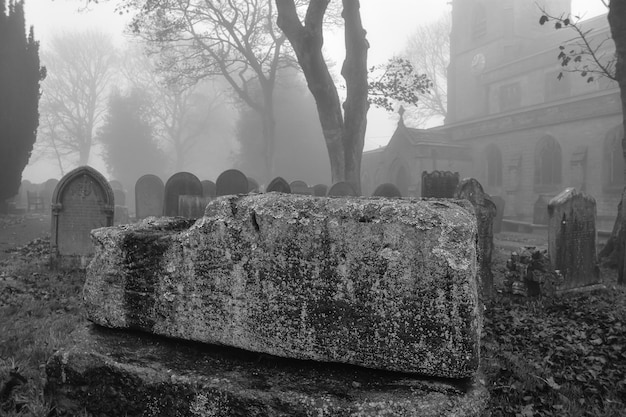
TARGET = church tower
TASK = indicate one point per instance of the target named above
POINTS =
(485, 35)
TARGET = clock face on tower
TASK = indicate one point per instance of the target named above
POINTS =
(478, 63)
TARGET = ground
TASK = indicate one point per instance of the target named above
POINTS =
(18, 230)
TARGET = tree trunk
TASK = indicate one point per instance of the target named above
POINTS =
(617, 23)
(269, 134)
(344, 140)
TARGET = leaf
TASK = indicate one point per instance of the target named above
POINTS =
(552, 384)
(543, 19)
(558, 25)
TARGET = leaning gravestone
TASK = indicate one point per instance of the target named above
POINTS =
(388, 190)
(572, 238)
(149, 196)
(342, 189)
(279, 185)
(320, 190)
(500, 204)
(82, 201)
(231, 181)
(300, 187)
(181, 183)
(485, 209)
(208, 188)
(439, 184)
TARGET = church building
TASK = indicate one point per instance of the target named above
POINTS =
(512, 124)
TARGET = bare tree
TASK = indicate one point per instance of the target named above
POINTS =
(235, 39)
(428, 49)
(344, 131)
(80, 67)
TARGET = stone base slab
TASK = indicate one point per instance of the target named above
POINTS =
(114, 373)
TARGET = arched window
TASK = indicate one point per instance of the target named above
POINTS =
(547, 162)
(479, 21)
(613, 158)
(494, 165)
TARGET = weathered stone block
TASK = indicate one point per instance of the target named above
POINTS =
(387, 284)
(115, 373)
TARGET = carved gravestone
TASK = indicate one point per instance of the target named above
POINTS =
(572, 238)
(342, 189)
(300, 187)
(439, 184)
(253, 185)
(208, 188)
(231, 181)
(320, 190)
(540, 210)
(82, 201)
(181, 183)
(279, 185)
(497, 221)
(388, 190)
(485, 209)
(149, 196)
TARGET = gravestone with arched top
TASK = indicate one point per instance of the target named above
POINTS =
(181, 183)
(231, 181)
(279, 185)
(82, 201)
(388, 190)
(342, 189)
(149, 191)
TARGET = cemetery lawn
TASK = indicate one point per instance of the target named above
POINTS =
(561, 356)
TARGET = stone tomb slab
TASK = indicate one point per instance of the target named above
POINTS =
(119, 373)
(572, 238)
(380, 283)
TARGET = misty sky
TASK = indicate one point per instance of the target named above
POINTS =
(387, 22)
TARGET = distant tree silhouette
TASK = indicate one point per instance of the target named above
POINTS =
(20, 74)
(126, 136)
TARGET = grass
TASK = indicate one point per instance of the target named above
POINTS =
(541, 357)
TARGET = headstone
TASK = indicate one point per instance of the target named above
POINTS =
(47, 191)
(388, 190)
(120, 215)
(485, 209)
(279, 185)
(300, 187)
(497, 221)
(572, 238)
(439, 184)
(540, 210)
(120, 197)
(149, 196)
(208, 188)
(253, 185)
(116, 185)
(181, 183)
(342, 189)
(192, 206)
(231, 181)
(320, 190)
(82, 201)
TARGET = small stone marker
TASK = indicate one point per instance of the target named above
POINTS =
(485, 209)
(230, 182)
(320, 190)
(388, 190)
(181, 183)
(540, 210)
(439, 184)
(572, 238)
(342, 189)
(497, 221)
(300, 187)
(82, 201)
(208, 188)
(279, 185)
(149, 191)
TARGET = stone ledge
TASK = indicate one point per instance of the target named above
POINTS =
(113, 373)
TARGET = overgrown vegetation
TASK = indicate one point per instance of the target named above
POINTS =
(561, 356)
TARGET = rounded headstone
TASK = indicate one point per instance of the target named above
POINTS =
(181, 183)
(342, 189)
(149, 191)
(231, 181)
(279, 185)
(388, 190)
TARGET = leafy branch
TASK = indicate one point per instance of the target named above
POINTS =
(396, 81)
(582, 54)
